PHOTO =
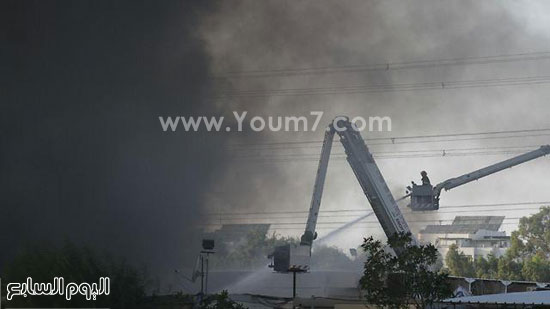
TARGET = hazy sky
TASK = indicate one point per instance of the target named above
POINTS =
(83, 156)
(269, 35)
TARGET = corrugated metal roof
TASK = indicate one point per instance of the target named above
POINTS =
(477, 220)
(320, 283)
(466, 225)
(538, 298)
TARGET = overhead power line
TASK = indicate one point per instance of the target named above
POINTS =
(357, 212)
(441, 151)
(391, 87)
(313, 158)
(356, 226)
(229, 220)
(273, 220)
(453, 152)
(388, 66)
(365, 209)
(352, 215)
(406, 137)
(418, 138)
(376, 221)
(437, 221)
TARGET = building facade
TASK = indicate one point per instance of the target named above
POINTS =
(473, 235)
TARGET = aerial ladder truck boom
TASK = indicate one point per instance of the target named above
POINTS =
(310, 234)
(296, 258)
(426, 197)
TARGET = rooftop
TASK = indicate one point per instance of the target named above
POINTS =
(538, 298)
(236, 232)
(466, 225)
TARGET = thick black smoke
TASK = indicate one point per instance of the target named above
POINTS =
(83, 156)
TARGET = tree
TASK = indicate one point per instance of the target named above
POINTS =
(75, 264)
(530, 246)
(528, 257)
(486, 267)
(536, 268)
(459, 264)
(533, 235)
(326, 257)
(220, 301)
(398, 280)
(252, 252)
(481, 267)
(509, 268)
(247, 253)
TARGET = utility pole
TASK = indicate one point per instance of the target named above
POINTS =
(202, 275)
(206, 277)
(293, 284)
(208, 248)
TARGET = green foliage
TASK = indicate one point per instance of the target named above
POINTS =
(77, 265)
(536, 268)
(508, 269)
(533, 235)
(396, 281)
(459, 264)
(528, 257)
(252, 252)
(220, 301)
(325, 257)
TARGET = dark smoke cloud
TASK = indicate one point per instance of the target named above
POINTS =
(263, 35)
(83, 156)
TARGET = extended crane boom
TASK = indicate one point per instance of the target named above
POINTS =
(296, 258)
(475, 175)
(371, 180)
(310, 234)
(365, 169)
(426, 197)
